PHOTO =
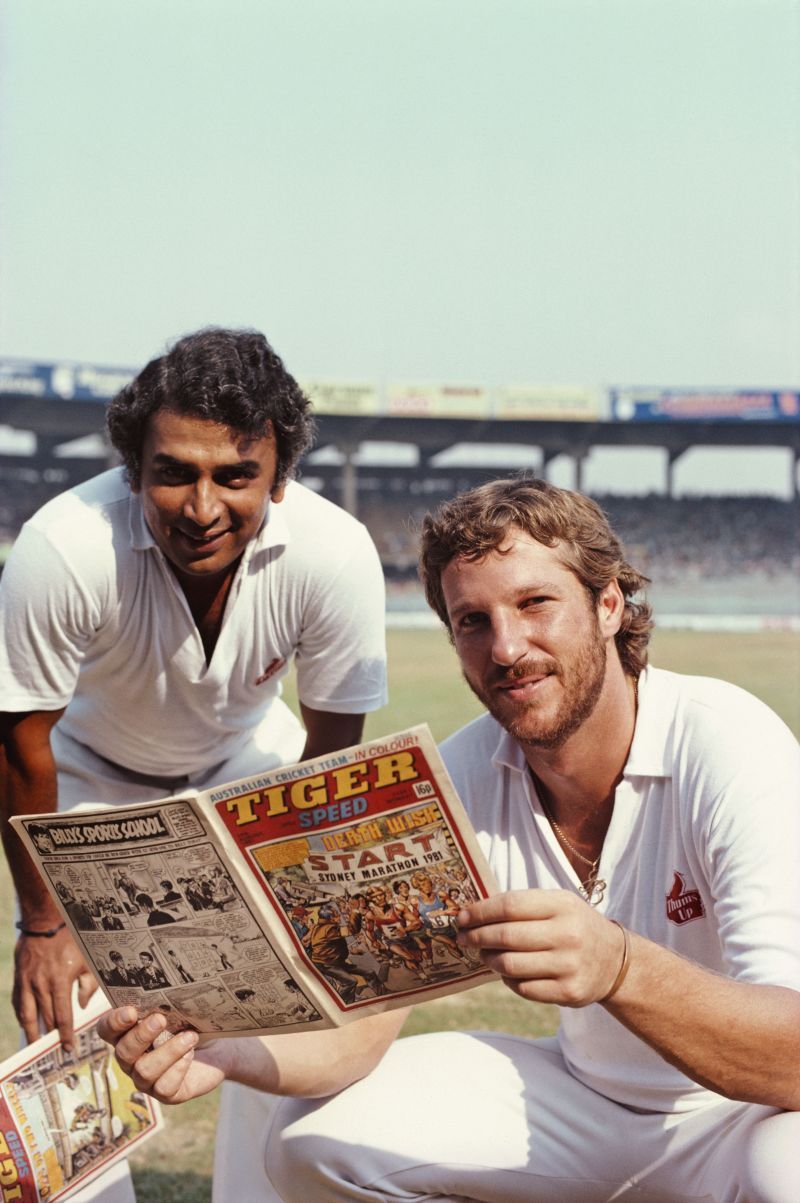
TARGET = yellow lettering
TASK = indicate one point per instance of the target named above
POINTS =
(8, 1173)
(420, 818)
(350, 780)
(244, 808)
(246, 804)
(310, 792)
(391, 769)
(275, 796)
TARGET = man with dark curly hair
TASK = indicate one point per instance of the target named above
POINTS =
(643, 828)
(148, 616)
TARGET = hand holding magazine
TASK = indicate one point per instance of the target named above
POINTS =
(305, 898)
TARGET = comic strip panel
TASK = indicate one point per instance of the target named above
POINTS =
(191, 972)
(145, 891)
(265, 998)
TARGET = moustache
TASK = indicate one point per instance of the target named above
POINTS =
(524, 668)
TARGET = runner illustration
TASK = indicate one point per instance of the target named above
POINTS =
(436, 920)
(390, 927)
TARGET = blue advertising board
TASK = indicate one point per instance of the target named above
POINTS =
(703, 405)
(70, 381)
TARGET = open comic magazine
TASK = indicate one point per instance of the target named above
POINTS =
(300, 899)
(65, 1117)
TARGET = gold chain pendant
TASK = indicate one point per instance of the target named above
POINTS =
(593, 885)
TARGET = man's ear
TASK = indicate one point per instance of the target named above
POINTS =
(610, 608)
(277, 492)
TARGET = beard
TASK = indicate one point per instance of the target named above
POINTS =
(581, 676)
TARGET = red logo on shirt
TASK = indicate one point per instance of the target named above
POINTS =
(683, 904)
(270, 670)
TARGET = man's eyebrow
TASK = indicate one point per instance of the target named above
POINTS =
(532, 590)
(252, 465)
(161, 458)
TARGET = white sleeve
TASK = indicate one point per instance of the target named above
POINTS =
(341, 654)
(47, 618)
(751, 848)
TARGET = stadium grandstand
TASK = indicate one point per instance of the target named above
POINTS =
(726, 555)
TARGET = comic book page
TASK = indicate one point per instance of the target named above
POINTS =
(65, 1117)
(364, 858)
(307, 897)
(163, 919)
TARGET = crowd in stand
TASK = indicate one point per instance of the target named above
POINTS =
(670, 539)
(697, 537)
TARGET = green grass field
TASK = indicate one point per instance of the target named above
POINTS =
(426, 687)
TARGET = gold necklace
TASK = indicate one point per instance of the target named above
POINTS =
(592, 884)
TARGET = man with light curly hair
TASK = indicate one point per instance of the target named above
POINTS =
(643, 828)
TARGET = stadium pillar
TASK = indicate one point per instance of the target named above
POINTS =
(548, 455)
(426, 454)
(673, 455)
(579, 456)
(349, 478)
(46, 445)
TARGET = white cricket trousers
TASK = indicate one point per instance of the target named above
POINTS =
(481, 1116)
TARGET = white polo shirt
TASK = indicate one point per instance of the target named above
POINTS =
(701, 855)
(92, 618)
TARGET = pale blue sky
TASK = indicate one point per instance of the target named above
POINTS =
(515, 191)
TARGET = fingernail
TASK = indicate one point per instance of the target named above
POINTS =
(154, 1024)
